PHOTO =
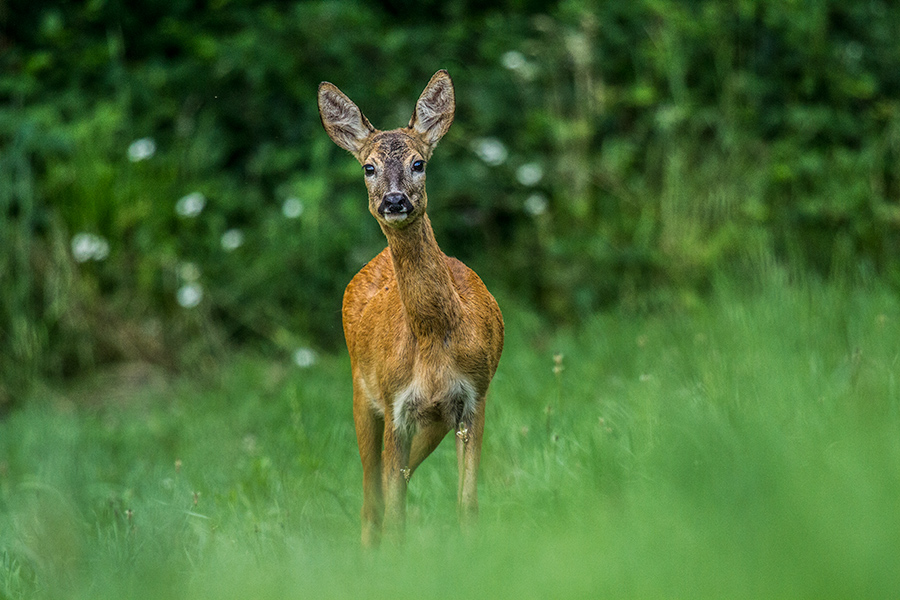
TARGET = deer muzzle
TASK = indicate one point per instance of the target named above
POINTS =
(395, 206)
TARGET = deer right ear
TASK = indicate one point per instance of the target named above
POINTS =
(343, 121)
(434, 109)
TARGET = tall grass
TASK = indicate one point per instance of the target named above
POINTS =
(745, 448)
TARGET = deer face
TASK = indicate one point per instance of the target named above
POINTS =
(393, 161)
(395, 177)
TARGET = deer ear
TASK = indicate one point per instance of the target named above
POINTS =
(434, 109)
(343, 121)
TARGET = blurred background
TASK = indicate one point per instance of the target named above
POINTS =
(167, 193)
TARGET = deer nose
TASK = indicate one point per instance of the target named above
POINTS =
(395, 203)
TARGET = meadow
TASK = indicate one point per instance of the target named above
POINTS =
(747, 447)
(689, 214)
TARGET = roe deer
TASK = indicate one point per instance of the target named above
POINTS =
(423, 332)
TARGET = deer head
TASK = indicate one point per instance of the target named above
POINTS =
(393, 161)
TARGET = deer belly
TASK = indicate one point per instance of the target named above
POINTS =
(452, 402)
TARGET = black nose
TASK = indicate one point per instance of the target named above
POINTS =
(395, 203)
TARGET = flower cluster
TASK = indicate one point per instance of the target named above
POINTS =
(88, 246)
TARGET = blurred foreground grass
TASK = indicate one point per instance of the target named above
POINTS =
(748, 448)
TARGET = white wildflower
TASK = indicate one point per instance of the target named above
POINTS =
(304, 357)
(490, 150)
(530, 174)
(292, 208)
(516, 62)
(190, 205)
(83, 247)
(189, 295)
(513, 60)
(101, 249)
(141, 149)
(232, 239)
(536, 204)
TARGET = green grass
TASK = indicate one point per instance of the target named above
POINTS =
(748, 448)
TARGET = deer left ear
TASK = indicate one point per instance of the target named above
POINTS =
(344, 122)
(434, 109)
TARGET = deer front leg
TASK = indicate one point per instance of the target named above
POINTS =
(369, 433)
(469, 435)
(397, 445)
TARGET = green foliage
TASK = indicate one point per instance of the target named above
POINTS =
(749, 448)
(604, 154)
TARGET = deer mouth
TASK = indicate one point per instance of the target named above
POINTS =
(395, 217)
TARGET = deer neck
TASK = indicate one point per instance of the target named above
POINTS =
(426, 289)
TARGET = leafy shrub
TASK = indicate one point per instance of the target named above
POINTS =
(167, 189)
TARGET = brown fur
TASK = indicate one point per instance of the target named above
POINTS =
(423, 332)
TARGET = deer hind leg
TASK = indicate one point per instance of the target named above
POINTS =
(369, 435)
(425, 441)
(469, 435)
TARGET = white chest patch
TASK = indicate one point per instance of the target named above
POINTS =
(452, 402)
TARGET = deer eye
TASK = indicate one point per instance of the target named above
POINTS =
(418, 166)
(369, 169)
